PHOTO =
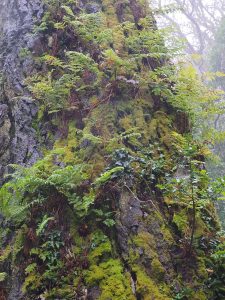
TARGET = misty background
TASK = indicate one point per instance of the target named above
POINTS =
(199, 25)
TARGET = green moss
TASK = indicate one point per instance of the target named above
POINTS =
(3, 276)
(181, 220)
(69, 145)
(201, 268)
(158, 217)
(104, 249)
(118, 37)
(133, 257)
(146, 288)
(201, 227)
(18, 242)
(167, 236)
(67, 292)
(32, 282)
(117, 113)
(109, 9)
(114, 144)
(113, 281)
(157, 270)
(106, 272)
(144, 239)
(95, 274)
(159, 125)
(4, 255)
(199, 295)
(79, 242)
(126, 122)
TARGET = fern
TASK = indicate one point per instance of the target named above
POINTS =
(109, 175)
(81, 205)
(30, 268)
(54, 92)
(68, 10)
(3, 276)
(43, 224)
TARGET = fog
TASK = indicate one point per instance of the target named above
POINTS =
(195, 21)
(200, 24)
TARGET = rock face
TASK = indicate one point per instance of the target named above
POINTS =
(17, 109)
(89, 220)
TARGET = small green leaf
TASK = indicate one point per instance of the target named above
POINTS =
(3, 276)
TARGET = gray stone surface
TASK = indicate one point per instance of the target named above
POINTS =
(18, 143)
(136, 217)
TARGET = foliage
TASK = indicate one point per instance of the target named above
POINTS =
(55, 93)
(109, 175)
(185, 293)
(189, 187)
(3, 276)
(217, 278)
(194, 97)
(103, 84)
(33, 186)
(43, 224)
(105, 217)
(107, 272)
(48, 253)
